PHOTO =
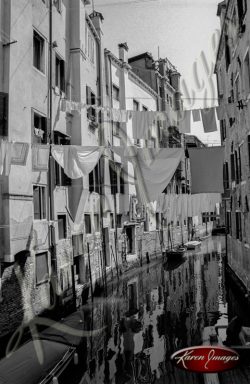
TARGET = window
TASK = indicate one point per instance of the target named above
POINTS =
(227, 52)
(112, 220)
(89, 44)
(94, 180)
(60, 74)
(42, 267)
(205, 217)
(116, 128)
(246, 72)
(87, 221)
(232, 167)
(157, 219)
(119, 221)
(113, 178)
(3, 114)
(40, 129)
(91, 100)
(97, 222)
(212, 216)
(225, 176)
(38, 52)
(61, 178)
(122, 183)
(238, 225)
(135, 105)
(62, 227)
(116, 92)
(236, 162)
(77, 243)
(39, 202)
(239, 164)
(58, 5)
(223, 129)
(229, 223)
(242, 9)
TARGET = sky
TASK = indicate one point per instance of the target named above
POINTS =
(186, 32)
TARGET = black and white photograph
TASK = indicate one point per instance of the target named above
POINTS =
(124, 192)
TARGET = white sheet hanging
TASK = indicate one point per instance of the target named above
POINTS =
(77, 161)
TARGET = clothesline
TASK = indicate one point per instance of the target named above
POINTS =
(142, 121)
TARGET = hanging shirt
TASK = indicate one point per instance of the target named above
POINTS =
(77, 161)
(208, 120)
(196, 115)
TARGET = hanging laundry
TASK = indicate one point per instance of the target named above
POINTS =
(19, 153)
(220, 110)
(154, 169)
(208, 120)
(77, 161)
(118, 115)
(206, 169)
(40, 157)
(185, 121)
(196, 115)
(142, 123)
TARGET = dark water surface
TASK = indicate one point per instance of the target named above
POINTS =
(153, 312)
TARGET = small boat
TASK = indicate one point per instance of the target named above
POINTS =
(175, 253)
(193, 245)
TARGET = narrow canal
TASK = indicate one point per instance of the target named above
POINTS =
(153, 312)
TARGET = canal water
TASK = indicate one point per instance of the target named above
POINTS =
(151, 313)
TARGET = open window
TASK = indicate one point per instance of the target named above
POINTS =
(38, 52)
(60, 74)
(39, 128)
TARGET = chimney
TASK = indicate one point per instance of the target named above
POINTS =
(123, 52)
(97, 19)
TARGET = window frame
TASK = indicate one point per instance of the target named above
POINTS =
(60, 70)
(42, 202)
(41, 68)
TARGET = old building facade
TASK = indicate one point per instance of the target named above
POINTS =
(233, 78)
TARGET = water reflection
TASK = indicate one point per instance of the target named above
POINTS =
(151, 314)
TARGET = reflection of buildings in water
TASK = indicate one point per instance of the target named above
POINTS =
(211, 288)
